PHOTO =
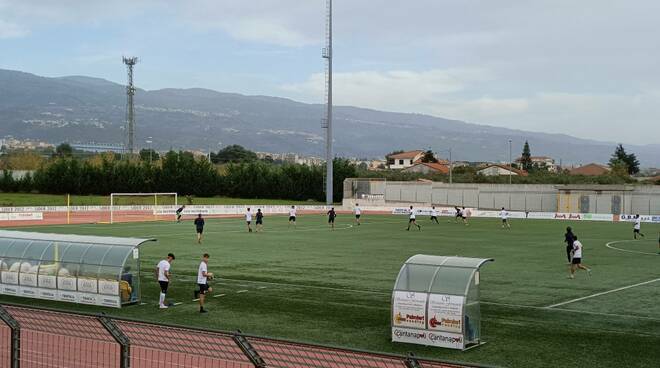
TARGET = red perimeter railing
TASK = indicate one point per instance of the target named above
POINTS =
(37, 338)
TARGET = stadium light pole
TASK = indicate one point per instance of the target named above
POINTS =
(510, 164)
(327, 121)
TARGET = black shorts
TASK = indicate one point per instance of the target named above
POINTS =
(203, 288)
(576, 261)
(331, 220)
(504, 220)
(248, 222)
(636, 231)
(260, 222)
(357, 216)
(200, 230)
(458, 215)
(464, 217)
(434, 217)
(163, 286)
(411, 220)
(292, 218)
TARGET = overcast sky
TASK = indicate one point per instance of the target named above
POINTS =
(588, 68)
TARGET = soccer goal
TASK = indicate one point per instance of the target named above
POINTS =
(141, 206)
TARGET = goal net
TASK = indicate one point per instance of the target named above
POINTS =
(125, 207)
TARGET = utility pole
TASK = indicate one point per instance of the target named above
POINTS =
(327, 121)
(451, 168)
(130, 112)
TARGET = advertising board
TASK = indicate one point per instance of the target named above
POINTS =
(409, 309)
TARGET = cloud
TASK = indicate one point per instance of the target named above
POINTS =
(11, 30)
(400, 90)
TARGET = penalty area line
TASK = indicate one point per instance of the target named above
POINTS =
(602, 293)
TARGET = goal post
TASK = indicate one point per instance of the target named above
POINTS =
(146, 204)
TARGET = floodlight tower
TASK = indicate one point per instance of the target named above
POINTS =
(130, 112)
(327, 121)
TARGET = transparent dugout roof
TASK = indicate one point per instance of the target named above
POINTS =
(90, 256)
(438, 274)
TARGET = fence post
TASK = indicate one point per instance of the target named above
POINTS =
(248, 350)
(15, 327)
(412, 362)
(121, 338)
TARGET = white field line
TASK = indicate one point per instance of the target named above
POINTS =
(611, 246)
(242, 291)
(632, 316)
(219, 295)
(603, 293)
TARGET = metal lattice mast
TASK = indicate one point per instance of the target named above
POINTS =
(130, 112)
(327, 121)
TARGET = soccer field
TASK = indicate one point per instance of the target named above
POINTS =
(311, 284)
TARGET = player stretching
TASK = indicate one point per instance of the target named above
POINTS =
(163, 272)
(179, 213)
(248, 220)
(637, 227)
(203, 277)
(576, 261)
(434, 215)
(199, 226)
(412, 219)
(260, 220)
(292, 216)
(504, 215)
(331, 217)
(358, 213)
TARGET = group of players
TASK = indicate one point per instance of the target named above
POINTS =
(203, 276)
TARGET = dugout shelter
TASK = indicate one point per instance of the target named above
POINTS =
(92, 270)
(435, 302)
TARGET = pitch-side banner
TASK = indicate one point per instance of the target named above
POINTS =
(409, 309)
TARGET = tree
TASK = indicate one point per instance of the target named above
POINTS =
(64, 150)
(621, 157)
(149, 154)
(234, 153)
(429, 157)
(526, 158)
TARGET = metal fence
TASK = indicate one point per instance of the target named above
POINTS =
(40, 338)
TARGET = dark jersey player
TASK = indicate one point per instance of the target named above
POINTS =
(569, 238)
(199, 226)
(179, 213)
(260, 220)
(332, 215)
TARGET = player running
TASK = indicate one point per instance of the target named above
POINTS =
(332, 215)
(292, 216)
(358, 213)
(459, 215)
(434, 215)
(464, 216)
(569, 238)
(576, 261)
(248, 219)
(412, 219)
(637, 227)
(179, 213)
(203, 277)
(260, 220)
(163, 274)
(199, 226)
(504, 215)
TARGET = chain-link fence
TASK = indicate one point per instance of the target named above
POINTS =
(38, 338)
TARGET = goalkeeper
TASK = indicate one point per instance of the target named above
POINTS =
(179, 213)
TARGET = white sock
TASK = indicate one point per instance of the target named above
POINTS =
(162, 298)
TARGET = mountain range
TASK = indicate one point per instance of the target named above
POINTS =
(79, 109)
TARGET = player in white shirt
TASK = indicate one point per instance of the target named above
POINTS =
(203, 277)
(163, 274)
(576, 260)
(637, 227)
(292, 216)
(434, 215)
(358, 213)
(412, 219)
(504, 215)
(248, 219)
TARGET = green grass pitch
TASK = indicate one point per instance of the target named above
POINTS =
(334, 287)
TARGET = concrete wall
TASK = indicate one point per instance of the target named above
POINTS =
(616, 199)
